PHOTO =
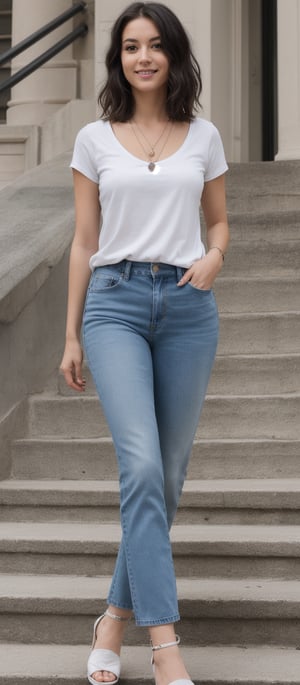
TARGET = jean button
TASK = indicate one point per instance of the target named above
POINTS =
(155, 268)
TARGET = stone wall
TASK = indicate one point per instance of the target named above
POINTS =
(36, 227)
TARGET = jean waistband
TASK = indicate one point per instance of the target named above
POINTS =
(128, 267)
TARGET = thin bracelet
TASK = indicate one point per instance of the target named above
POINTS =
(215, 247)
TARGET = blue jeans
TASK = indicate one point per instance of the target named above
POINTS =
(150, 345)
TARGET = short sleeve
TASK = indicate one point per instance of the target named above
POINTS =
(83, 159)
(216, 162)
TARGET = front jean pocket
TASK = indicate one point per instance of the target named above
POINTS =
(199, 290)
(104, 280)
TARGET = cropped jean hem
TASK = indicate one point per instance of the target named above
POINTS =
(159, 622)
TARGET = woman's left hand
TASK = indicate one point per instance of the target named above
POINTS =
(204, 271)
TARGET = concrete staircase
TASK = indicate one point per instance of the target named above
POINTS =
(237, 535)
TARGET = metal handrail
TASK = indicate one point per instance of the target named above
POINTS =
(81, 30)
(43, 31)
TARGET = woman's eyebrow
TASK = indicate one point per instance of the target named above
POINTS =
(134, 40)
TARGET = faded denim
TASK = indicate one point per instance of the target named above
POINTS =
(150, 345)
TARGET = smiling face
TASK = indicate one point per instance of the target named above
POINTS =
(144, 63)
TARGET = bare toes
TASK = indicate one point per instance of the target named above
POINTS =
(105, 676)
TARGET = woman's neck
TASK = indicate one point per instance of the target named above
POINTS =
(150, 107)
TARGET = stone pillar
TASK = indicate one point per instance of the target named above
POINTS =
(49, 88)
(288, 79)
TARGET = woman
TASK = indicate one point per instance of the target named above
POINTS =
(150, 321)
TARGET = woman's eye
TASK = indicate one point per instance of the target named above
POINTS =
(157, 46)
(130, 48)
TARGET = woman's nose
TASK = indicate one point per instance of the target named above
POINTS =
(144, 54)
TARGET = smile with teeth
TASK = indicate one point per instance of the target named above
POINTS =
(146, 72)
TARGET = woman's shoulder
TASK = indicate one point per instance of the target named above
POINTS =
(206, 134)
(204, 125)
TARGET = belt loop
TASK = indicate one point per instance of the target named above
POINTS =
(127, 270)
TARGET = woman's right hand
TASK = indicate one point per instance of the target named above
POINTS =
(71, 365)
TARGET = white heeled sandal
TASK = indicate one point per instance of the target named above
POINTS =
(181, 681)
(104, 659)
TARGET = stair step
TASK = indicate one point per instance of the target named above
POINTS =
(61, 609)
(264, 333)
(211, 665)
(271, 333)
(252, 295)
(256, 294)
(215, 597)
(263, 187)
(262, 256)
(215, 501)
(259, 374)
(94, 459)
(199, 550)
(264, 416)
(278, 226)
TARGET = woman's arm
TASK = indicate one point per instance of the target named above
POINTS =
(204, 271)
(85, 243)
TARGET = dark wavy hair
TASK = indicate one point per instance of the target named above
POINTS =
(184, 84)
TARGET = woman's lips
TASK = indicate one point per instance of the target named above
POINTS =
(146, 73)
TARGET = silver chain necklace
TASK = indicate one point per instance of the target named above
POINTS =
(151, 154)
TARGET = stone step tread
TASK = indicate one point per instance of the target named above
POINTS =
(94, 537)
(272, 217)
(212, 665)
(99, 487)
(249, 278)
(45, 457)
(266, 416)
(268, 373)
(23, 590)
(267, 241)
(253, 316)
(48, 439)
(233, 358)
(53, 398)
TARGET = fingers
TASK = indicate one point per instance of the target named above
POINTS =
(196, 279)
(201, 274)
(78, 377)
(73, 377)
(186, 277)
(71, 366)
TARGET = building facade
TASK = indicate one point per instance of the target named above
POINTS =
(249, 55)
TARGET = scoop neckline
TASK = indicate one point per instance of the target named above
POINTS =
(145, 161)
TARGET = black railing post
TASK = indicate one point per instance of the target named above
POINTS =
(269, 80)
(81, 30)
(43, 31)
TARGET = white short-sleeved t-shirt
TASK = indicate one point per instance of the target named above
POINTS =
(149, 216)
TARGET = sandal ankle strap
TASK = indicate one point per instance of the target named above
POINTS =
(166, 644)
(115, 617)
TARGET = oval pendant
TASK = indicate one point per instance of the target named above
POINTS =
(151, 166)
